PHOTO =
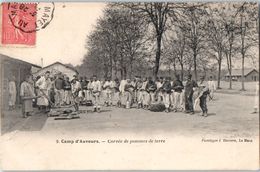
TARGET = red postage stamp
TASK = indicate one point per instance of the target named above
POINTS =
(18, 23)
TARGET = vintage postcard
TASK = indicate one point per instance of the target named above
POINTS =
(129, 86)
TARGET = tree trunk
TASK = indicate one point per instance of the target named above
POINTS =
(174, 66)
(195, 66)
(121, 73)
(158, 55)
(219, 73)
(125, 72)
(230, 73)
(181, 71)
(229, 65)
(243, 75)
(115, 70)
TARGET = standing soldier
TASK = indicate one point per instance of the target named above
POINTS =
(166, 92)
(143, 97)
(203, 92)
(59, 92)
(159, 83)
(151, 88)
(67, 91)
(177, 87)
(84, 86)
(108, 90)
(44, 87)
(75, 88)
(128, 93)
(96, 85)
(89, 91)
(138, 91)
(12, 93)
(134, 84)
(27, 95)
(122, 90)
(189, 89)
(116, 96)
(212, 88)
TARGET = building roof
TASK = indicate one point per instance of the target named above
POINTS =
(238, 72)
(62, 65)
(5, 57)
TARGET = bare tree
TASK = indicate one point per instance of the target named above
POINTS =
(158, 14)
(176, 52)
(193, 26)
(117, 41)
(247, 19)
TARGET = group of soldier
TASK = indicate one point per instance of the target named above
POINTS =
(174, 94)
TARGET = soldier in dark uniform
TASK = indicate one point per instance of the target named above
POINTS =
(166, 91)
(190, 84)
(203, 92)
(151, 88)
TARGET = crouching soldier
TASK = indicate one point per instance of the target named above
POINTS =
(166, 92)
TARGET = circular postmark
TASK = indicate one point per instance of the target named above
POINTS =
(30, 17)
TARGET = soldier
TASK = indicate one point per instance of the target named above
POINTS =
(129, 90)
(134, 84)
(203, 92)
(166, 91)
(138, 91)
(108, 90)
(12, 93)
(177, 87)
(44, 87)
(116, 95)
(67, 91)
(122, 91)
(84, 86)
(59, 90)
(143, 97)
(89, 91)
(96, 85)
(212, 88)
(159, 83)
(189, 89)
(27, 94)
(151, 88)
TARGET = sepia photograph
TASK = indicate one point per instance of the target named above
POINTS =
(129, 85)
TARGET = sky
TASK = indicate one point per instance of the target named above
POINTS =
(64, 38)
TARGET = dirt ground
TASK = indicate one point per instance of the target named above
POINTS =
(42, 143)
(229, 116)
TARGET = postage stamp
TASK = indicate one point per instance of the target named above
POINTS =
(20, 21)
